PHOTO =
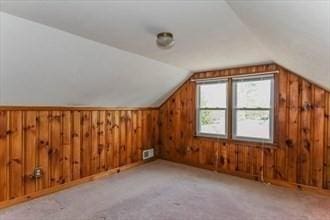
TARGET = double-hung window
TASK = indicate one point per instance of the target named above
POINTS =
(212, 108)
(253, 104)
(251, 108)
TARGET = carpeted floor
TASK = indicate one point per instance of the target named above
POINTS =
(167, 191)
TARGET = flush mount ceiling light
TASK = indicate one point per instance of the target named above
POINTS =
(165, 40)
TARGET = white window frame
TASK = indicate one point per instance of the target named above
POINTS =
(198, 109)
(270, 109)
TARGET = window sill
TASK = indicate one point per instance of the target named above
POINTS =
(233, 141)
(214, 136)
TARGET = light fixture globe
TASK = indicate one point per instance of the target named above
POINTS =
(165, 40)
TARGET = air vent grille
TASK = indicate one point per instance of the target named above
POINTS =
(147, 154)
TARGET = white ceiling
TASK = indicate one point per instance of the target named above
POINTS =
(208, 34)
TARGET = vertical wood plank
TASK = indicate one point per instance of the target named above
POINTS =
(222, 156)
(191, 112)
(4, 160)
(16, 155)
(116, 143)
(318, 137)
(305, 133)
(139, 134)
(268, 163)
(164, 131)
(86, 148)
(282, 122)
(95, 160)
(155, 131)
(129, 128)
(67, 147)
(232, 157)
(122, 134)
(76, 144)
(292, 141)
(30, 151)
(43, 149)
(56, 155)
(134, 152)
(101, 141)
(144, 130)
(242, 158)
(109, 140)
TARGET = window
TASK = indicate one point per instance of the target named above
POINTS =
(212, 108)
(253, 108)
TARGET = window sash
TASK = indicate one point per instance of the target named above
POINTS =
(205, 134)
(199, 109)
(252, 79)
(247, 138)
(270, 109)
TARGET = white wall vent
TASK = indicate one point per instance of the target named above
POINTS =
(149, 153)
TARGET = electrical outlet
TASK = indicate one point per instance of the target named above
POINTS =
(37, 173)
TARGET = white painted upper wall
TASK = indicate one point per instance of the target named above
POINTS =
(40, 65)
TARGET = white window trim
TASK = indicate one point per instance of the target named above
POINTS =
(271, 109)
(198, 109)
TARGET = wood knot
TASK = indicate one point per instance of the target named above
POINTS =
(307, 106)
(16, 160)
(75, 135)
(289, 143)
(307, 145)
(222, 160)
(305, 130)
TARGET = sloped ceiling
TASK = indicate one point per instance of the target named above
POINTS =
(40, 65)
(296, 34)
(209, 35)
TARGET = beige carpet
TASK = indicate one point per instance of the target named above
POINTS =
(168, 191)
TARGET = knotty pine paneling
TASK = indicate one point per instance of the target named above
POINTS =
(301, 154)
(68, 144)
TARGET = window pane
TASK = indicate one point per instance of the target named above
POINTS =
(212, 122)
(253, 124)
(253, 94)
(213, 95)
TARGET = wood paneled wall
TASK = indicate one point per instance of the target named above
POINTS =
(300, 156)
(68, 145)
